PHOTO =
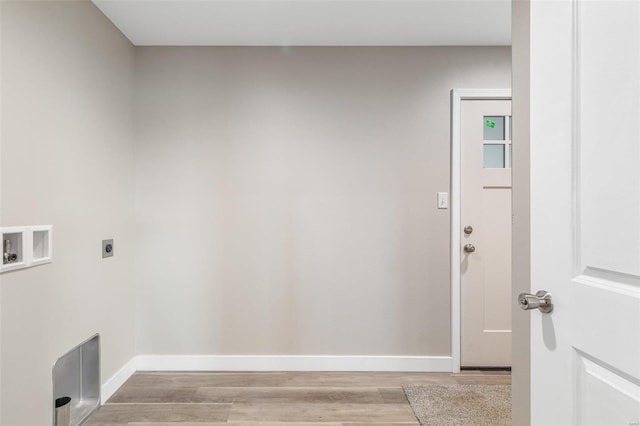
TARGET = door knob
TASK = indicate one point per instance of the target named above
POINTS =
(541, 300)
(469, 248)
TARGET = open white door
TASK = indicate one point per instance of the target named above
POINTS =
(585, 211)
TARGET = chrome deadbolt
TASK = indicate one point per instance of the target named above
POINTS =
(541, 300)
(468, 229)
(469, 248)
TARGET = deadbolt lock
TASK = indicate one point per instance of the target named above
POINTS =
(468, 229)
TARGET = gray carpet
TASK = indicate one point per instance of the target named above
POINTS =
(448, 405)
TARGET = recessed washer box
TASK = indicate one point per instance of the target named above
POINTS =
(26, 246)
(14, 248)
(41, 245)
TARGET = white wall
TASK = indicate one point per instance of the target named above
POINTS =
(285, 198)
(67, 77)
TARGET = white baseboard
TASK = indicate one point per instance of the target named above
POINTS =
(293, 363)
(114, 382)
(427, 364)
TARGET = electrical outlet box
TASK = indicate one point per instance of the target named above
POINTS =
(107, 248)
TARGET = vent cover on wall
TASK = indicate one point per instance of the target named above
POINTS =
(77, 375)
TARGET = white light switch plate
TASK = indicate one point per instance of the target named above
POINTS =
(443, 200)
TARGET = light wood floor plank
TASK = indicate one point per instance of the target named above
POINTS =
(381, 424)
(291, 379)
(125, 413)
(156, 394)
(392, 395)
(187, 380)
(323, 412)
(292, 395)
(261, 423)
(272, 398)
(177, 424)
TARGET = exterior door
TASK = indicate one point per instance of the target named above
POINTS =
(486, 235)
(585, 211)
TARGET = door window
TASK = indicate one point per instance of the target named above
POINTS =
(496, 137)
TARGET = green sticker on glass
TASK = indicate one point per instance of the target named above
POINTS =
(491, 123)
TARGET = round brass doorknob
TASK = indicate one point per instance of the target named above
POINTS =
(469, 248)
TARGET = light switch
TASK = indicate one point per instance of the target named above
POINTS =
(443, 200)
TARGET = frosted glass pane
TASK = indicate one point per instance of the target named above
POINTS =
(510, 129)
(493, 128)
(493, 156)
(510, 156)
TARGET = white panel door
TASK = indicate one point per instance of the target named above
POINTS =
(585, 211)
(486, 221)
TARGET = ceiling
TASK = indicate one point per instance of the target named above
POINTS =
(311, 22)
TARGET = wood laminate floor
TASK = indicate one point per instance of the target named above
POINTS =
(271, 399)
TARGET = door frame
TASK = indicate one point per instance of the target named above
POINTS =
(457, 96)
